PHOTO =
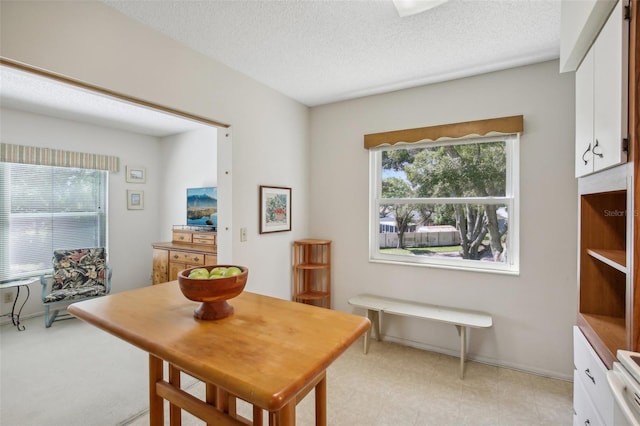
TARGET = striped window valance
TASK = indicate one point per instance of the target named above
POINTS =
(10, 153)
(468, 129)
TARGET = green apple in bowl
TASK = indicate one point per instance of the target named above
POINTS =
(232, 271)
(199, 273)
(217, 272)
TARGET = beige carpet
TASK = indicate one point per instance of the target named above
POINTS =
(69, 374)
(75, 374)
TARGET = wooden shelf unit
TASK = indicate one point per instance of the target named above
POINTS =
(312, 272)
(605, 307)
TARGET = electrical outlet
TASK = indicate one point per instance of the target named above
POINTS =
(8, 297)
(243, 234)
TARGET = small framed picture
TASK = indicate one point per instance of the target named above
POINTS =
(275, 209)
(136, 174)
(135, 200)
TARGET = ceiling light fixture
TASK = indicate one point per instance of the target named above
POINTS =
(413, 7)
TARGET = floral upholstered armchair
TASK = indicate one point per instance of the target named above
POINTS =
(77, 274)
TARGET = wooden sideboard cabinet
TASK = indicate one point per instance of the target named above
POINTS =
(188, 248)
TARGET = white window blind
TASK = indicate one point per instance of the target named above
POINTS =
(44, 208)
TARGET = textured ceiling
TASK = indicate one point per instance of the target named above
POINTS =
(316, 52)
(25, 91)
(325, 51)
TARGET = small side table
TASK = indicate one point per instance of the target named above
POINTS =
(15, 317)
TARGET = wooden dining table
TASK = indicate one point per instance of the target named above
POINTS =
(270, 352)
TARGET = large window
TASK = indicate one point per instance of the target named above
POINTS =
(45, 208)
(448, 204)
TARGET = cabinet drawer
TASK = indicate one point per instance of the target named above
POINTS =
(185, 257)
(183, 237)
(584, 413)
(592, 375)
(205, 238)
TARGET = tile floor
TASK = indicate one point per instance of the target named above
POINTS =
(396, 385)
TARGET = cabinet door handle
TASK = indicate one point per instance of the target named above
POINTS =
(588, 373)
(196, 259)
(585, 153)
(599, 154)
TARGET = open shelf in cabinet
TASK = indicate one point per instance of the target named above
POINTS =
(604, 282)
(615, 258)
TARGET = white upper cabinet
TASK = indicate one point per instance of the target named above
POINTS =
(601, 98)
(584, 115)
(580, 23)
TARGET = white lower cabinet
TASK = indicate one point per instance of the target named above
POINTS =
(584, 413)
(592, 398)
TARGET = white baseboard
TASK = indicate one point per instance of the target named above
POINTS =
(480, 359)
(6, 318)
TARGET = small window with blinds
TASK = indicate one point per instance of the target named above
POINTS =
(46, 208)
(447, 202)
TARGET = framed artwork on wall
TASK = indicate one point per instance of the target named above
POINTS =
(135, 200)
(202, 206)
(275, 209)
(135, 174)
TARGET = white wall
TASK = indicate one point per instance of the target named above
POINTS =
(90, 42)
(190, 160)
(131, 232)
(533, 313)
(271, 146)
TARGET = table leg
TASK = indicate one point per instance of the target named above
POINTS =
(175, 415)
(257, 416)
(287, 414)
(374, 317)
(226, 402)
(321, 402)
(156, 408)
(211, 396)
(15, 318)
(462, 332)
(233, 405)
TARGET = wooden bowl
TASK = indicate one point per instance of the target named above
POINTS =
(212, 292)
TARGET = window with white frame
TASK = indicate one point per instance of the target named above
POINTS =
(45, 208)
(450, 203)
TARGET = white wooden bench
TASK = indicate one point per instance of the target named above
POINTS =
(461, 318)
